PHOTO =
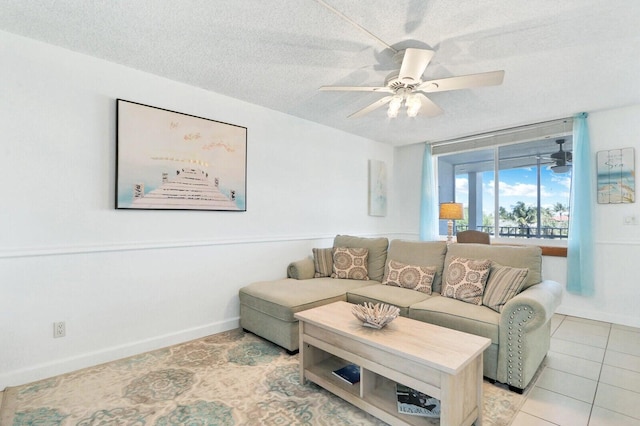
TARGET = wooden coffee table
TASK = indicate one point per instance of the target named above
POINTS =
(443, 363)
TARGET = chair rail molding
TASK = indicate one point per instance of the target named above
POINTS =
(159, 245)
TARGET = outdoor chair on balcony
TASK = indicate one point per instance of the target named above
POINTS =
(472, 236)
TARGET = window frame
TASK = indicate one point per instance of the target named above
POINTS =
(550, 130)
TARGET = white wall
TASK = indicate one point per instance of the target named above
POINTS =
(617, 245)
(126, 281)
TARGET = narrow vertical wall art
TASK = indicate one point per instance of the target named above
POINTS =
(377, 188)
(616, 176)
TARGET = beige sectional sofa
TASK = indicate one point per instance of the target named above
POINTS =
(520, 332)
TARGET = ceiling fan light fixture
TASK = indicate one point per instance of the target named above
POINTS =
(562, 159)
(413, 105)
(394, 106)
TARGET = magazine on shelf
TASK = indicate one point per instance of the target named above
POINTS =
(415, 403)
(349, 373)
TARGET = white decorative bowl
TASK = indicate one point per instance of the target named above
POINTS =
(375, 316)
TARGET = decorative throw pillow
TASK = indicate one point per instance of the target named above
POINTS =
(323, 262)
(350, 263)
(465, 279)
(504, 282)
(414, 277)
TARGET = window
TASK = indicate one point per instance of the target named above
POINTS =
(513, 189)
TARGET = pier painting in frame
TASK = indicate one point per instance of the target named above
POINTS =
(174, 161)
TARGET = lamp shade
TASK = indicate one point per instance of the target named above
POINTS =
(451, 211)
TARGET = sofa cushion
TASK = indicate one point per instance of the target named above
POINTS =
(504, 282)
(350, 263)
(465, 279)
(420, 253)
(413, 277)
(322, 262)
(377, 252)
(529, 257)
(452, 313)
(379, 293)
(283, 298)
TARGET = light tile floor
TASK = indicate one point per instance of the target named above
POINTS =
(591, 377)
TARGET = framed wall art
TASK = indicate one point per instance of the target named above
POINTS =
(616, 176)
(377, 188)
(174, 161)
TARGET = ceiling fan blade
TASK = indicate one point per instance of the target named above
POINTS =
(428, 108)
(377, 104)
(355, 89)
(414, 63)
(492, 78)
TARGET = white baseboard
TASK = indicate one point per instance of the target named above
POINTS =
(67, 365)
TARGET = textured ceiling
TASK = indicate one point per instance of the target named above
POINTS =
(559, 58)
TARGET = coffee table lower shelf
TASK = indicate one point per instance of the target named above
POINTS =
(374, 393)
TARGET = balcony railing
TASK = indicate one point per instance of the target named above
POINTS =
(548, 232)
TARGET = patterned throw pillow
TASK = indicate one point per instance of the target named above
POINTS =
(350, 263)
(465, 279)
(323, 261)
(504, 282)
(414, 277)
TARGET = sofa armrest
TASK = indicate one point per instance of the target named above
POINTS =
(525, 332)
(303, 269)
(532, 307)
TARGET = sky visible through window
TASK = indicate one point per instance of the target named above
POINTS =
(519, 185)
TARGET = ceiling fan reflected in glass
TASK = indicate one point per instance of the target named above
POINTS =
(562, 159)
(406, 87)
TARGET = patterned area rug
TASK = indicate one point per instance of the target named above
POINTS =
(231, 378)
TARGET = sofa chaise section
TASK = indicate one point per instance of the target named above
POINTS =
(267, 308)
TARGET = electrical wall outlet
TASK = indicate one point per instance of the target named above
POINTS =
(630, 220)
(59, 329)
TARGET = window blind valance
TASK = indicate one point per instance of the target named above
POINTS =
(530, 132)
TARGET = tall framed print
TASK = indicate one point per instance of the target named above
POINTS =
(377, 188)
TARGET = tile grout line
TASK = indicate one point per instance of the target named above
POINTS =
(595, 394)
(578, 356)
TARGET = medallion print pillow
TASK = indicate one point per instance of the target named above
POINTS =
(465, 279)
(350, 263)
(419, 278)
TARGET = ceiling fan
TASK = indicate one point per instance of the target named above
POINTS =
(562, 159)
(407, 87)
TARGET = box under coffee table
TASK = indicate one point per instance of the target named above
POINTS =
(443, 363)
